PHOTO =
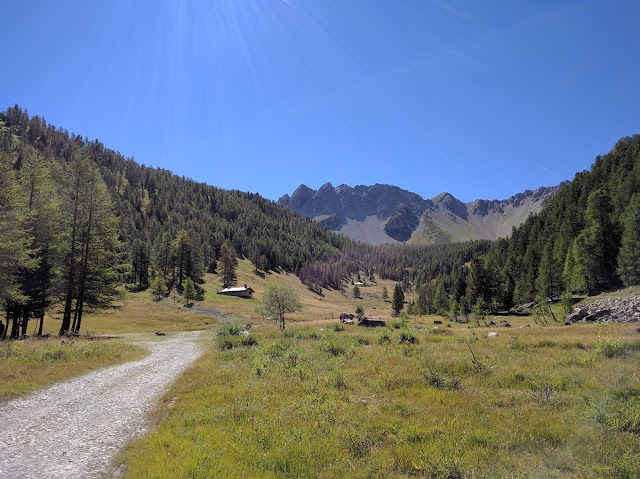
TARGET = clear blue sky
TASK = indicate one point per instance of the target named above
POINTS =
(481, 99)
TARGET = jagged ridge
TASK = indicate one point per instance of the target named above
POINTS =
(387, 214)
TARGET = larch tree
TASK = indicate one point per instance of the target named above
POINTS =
(15, 251)
(629, 254)
(93, 259)
(229, 263)
(397, 301)
(43, 225)
(596, 246)
(189, 291)
(277, 300)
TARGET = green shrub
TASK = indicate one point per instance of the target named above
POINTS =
(407, 336)
(334, 347)
(230, 329)
(306, 334)
(610, 347)
(397, 324)
(227, 342)
(385, 338)
(249, 340)
(337, 327)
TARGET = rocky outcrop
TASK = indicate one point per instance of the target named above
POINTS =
(609, 310)
(388, 214)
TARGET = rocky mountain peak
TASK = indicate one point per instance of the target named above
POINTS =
(384, 213)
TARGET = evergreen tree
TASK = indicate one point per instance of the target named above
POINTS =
(158, 287)
(629, 255)
(548, 281)
(93, 251)
(356, 292)
(385, 293)
(441, 300)
(189, 291)
(43, 224)
(596, 246)
(360, 312)
(228, 263)
(397, 301)
(15, 252)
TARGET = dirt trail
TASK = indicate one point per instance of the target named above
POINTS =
(76, 428)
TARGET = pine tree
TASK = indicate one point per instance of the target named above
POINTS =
(596, 246)
(629, 254)
(229, 262)
(385, 293)
(158, 287)
(397, 301)
(15, 252)
(356, 291)
(441, 300)
(93, 258)
(189, 291)
(43, 224)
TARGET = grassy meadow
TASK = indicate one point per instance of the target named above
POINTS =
(328, 401)
(29, 365)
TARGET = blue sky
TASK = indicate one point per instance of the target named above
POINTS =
(481, 99)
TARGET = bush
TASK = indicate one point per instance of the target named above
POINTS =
(610, 348)
(337, 327)
(249, 340)
(230, 329)
(407, 336)
(227, 342)
(335, 348)
(398, 324)
(385, 338)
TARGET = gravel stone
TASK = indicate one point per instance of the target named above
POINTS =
(76, 428)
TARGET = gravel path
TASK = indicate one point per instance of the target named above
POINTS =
(76, 428)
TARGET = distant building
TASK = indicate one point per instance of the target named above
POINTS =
(359, 283)
(241, 291)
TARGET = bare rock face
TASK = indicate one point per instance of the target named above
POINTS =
(609, 310)
(388, 214)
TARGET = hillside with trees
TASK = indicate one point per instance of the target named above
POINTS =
(586, 240)
(78, 219)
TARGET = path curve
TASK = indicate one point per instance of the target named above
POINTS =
(76, 428)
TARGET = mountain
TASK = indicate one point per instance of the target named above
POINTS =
(381, 214)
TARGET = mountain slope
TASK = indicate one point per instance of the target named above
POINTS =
(154, 205)
(387, 214)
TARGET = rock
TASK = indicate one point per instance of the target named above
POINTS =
(614, 310)
(492, 334)
(596, 315)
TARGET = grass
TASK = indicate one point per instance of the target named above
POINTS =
(318, 402)
(29, 365)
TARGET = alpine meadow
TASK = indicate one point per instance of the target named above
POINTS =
(508, 358)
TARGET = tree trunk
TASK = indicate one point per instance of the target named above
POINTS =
(25, 320)
(41, 324)
(66, 317)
